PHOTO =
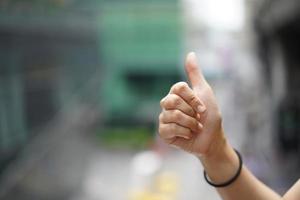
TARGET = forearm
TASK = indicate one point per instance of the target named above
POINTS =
(221, 164)
(190, 120)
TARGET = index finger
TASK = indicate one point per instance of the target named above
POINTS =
(187, 94)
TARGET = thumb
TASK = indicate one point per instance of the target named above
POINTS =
(193, 71)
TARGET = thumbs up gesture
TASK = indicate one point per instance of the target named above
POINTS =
(190, 117)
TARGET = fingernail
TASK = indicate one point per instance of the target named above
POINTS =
(201, 108)
(200, 126)
(186, 137)
(192, 55)
(198, 117)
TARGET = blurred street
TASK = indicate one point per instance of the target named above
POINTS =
(81, 82)
(67, 163)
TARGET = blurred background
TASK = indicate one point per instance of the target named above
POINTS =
(81, 81)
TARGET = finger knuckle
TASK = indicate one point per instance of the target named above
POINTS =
(194, 100)
(161, 129)
(173, 127)
(162, 102)
(175, 102)
(180, 87)
(171, 101)
(166, 130)
(168, 104)
(160, 117)
(177, 115)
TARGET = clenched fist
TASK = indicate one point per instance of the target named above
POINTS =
(190, 118)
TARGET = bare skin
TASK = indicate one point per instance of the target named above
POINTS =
(191, 120)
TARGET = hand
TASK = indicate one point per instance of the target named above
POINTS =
(190, 118)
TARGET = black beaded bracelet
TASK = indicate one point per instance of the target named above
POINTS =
(230, 181)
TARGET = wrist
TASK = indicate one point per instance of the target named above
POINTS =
(216, 148)
(221, 161)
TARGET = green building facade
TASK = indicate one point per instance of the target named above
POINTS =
(140, 45)
(53, 51)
